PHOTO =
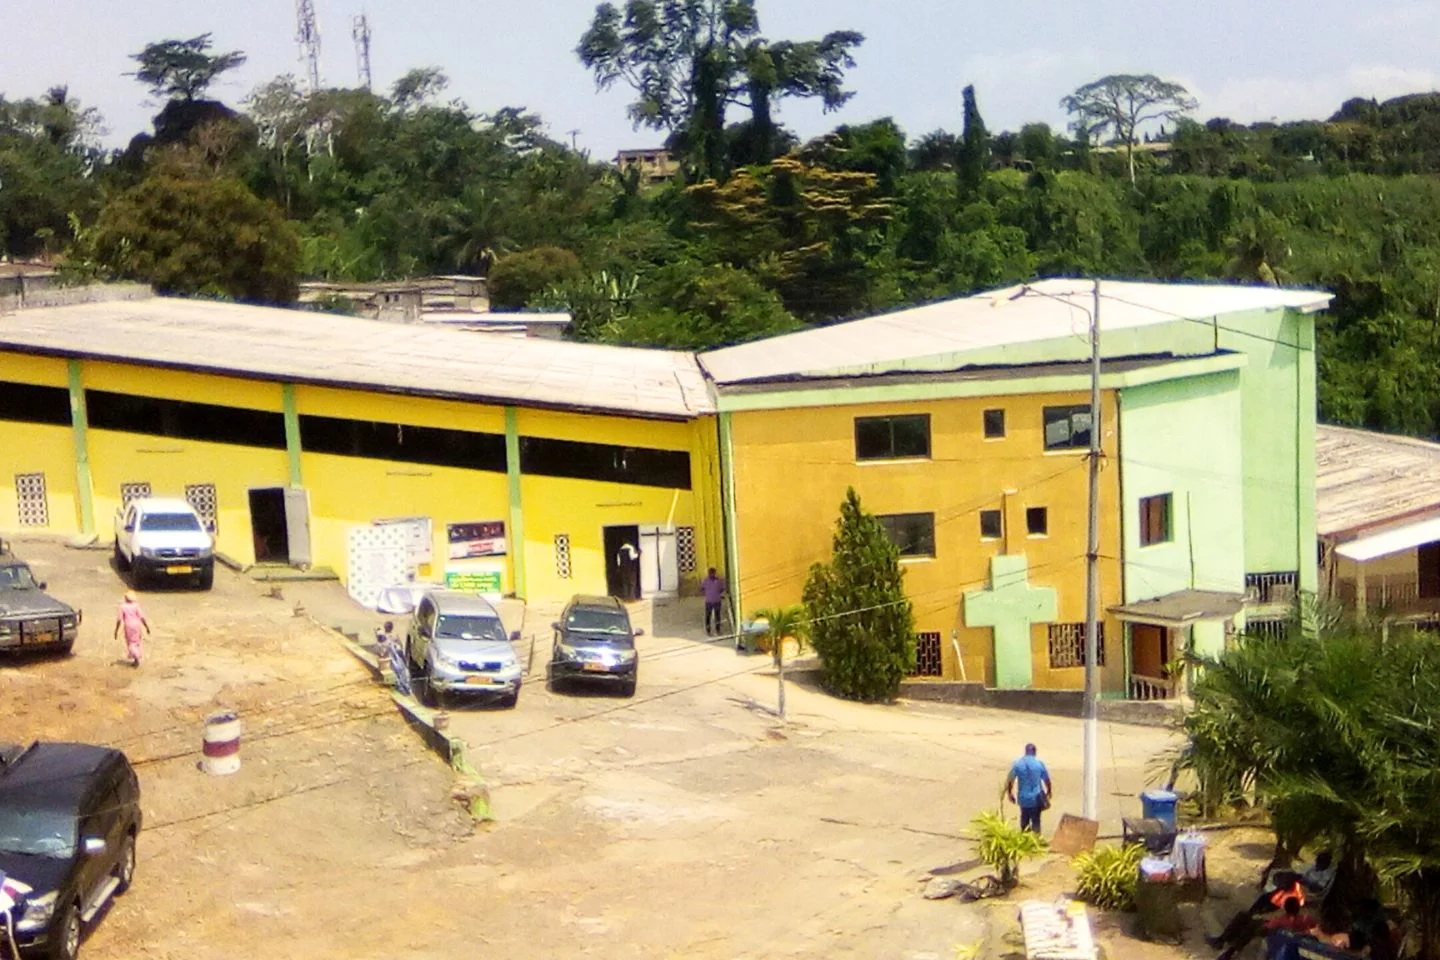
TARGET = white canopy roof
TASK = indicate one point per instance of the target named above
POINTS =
(1390, 541)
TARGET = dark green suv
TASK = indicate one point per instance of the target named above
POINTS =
(594, 642)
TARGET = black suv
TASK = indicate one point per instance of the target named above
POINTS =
(31, 619)
(69, 815)
(594, 641)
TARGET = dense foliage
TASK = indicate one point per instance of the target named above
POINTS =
(1335, 730)
(1108, 875)
(861, 623)
(760, 233)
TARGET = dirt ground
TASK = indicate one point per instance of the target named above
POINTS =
(687, 822)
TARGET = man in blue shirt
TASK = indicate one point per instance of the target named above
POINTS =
(1031, 778)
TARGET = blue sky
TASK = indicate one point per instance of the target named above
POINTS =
(1245, 59)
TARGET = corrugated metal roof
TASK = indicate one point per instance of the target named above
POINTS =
(305, 347)
(994, 319)
(1364, 479)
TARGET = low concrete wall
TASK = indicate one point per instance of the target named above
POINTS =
(29, 296)
(1059, 703)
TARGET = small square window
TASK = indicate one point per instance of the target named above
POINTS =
(1037, 521)
(992, 525)
(994, 424)
(1155, 519)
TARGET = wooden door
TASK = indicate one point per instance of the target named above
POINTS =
(1148, 650)
(1427, 564)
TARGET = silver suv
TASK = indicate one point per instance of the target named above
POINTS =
(457, 645)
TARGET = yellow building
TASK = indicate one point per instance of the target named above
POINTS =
(534, 467)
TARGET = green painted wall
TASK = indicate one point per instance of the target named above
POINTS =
(1277, 391)
(1183, 437)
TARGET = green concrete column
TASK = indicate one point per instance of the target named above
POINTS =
(80, 428)
(732, 535)
(517, 512)
(292, 433)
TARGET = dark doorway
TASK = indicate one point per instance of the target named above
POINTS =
(267, 520)
(1427, 566)
(622, 562)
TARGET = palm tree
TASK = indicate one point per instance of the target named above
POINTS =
(781, 624)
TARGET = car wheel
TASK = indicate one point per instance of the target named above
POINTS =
(511, 700)
(67, 649)
(120, 563)
(207, 578)
(125, 868)
(65, 934)
(627, 689)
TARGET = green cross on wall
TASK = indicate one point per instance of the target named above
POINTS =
(1010, 605)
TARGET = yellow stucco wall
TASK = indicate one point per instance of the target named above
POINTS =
(792, 468)
(38, 448)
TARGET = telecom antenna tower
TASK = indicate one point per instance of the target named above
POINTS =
(307, 34)
(361, 32)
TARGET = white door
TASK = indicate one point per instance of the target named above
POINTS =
(297, 525)
(659, 562)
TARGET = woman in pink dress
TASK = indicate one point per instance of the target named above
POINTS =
(132, 619)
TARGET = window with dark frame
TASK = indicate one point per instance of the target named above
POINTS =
(1037, 521)
(1067, 428)
(994, 424)
(992, 525)
(185, 420)
(929, 661)
(912, 533)
(28, 403)
(892, 438)
(1155, 519)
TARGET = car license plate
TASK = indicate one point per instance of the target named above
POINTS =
(482, 681)
(180, 568)
(596, 667)
(39, 638)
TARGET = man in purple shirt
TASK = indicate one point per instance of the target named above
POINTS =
(712, 588)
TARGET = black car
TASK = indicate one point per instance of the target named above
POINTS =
(69, 816)
(595, 642)
(30, 619)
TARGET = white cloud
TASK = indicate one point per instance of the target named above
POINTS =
(1251, 99)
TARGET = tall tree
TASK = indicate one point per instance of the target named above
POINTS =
(183, 69)
(861, 623)
(1121, 103)
(688, 60)
(974, 153)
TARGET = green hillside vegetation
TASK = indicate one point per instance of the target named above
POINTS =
(760, 233)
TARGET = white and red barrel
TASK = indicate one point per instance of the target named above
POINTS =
(221, 755)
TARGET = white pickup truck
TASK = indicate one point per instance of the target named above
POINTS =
(162, 539)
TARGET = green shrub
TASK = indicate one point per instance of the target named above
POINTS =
(1108, 875)
(861, 623)
(1003, 845)
(517, 278)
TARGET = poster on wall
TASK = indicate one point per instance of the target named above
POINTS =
(474, 581)
(417, 536)
(375, 560)
(470, 540)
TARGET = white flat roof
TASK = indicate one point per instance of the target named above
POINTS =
(1053, 309)
(1390, 541)
(301, 346)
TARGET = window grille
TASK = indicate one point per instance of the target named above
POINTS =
(562, 556)
(685, 549)
(928, 662)
(133, 491)
(201, 496)
(1067, 645)
(30, 500)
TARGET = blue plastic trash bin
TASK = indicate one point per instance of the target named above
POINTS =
(1159, 805)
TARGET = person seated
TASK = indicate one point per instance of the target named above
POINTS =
(1237, 935)
(1292, 919)
(1281, 886)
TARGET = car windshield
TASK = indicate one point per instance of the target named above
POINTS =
(477, 628)
(41, 833)
(17, 577)
(169, 521)
(611, 623)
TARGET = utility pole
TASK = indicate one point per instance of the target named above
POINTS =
(361, 32)
(1092, 578)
